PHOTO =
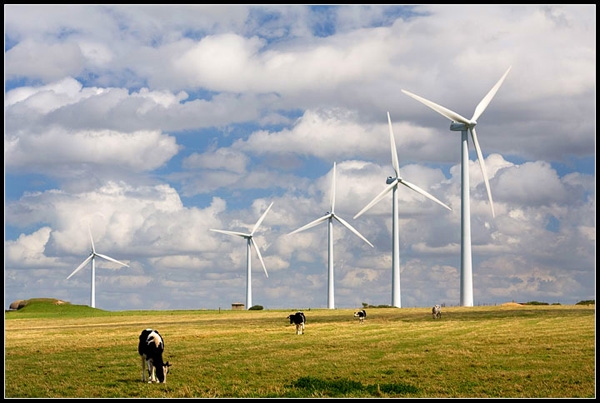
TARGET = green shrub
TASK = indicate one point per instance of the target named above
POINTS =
(366, 305)
(256, 308)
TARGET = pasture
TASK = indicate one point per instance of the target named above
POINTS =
(72, 351)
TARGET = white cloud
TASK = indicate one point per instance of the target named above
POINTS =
(56, 151)
(29, 250)
(153, 124)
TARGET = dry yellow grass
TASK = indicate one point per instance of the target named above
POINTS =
(477, 352)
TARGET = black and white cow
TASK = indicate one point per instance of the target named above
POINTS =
(151, 349)
(299, 320)
(436, 311)
(361, 315)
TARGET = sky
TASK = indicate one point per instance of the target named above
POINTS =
(151, 125)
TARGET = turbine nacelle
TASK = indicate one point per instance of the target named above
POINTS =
(390, 180)
(459, 126)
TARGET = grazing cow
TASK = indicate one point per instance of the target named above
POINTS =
(361, 315)
(436, 311)
(299, 320)
(151, 349)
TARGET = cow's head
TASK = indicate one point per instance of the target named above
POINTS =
(161, 373)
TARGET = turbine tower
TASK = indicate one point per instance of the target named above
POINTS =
(393, 183)
(249, 244)
(329, 218)
(463, 125)
(92, 257)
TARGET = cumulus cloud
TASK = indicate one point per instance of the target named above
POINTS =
(29, 250)
(153, 124)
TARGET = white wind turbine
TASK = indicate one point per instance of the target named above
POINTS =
(92, 257)
(329, 218)
(393, 183)
(464, 126)
(250, 242)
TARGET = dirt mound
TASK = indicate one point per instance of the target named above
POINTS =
(511, 304)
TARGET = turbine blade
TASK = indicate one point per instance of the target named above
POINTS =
(333, 190)
(393, 148)
(351, 228)
(311, 224)
(231, 232)
(488, 98)
(92, 239)
(81, 265)
(377, 198)
(262, 217)
(259, 256)
(455, 117)
(483, 170)
(111, 259)
(424, 193)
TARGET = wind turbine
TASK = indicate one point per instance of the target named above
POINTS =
(92, 257)
(393, 183)
(464, 126)
(329, 218)
(250, 242)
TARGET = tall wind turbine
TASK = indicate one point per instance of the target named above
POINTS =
(92, 257)
(393, 183)
(249, 244)
(464, 125)
(329, 218)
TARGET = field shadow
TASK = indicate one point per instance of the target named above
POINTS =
(348, 387)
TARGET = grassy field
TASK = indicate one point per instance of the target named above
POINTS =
(73, 351)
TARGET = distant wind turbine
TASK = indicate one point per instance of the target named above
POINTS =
(464, 126)
(393, 183)
(250, 242)
(329, 218)
(92, 257)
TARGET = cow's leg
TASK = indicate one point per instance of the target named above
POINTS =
(302, 327)
(164, 370)
(143, 368)
(151, 372)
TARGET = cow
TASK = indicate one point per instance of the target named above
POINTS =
(151, 349)
(436, 311)
(361, 315)
(299, 320)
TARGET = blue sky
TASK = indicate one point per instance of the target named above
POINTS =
(152, 125)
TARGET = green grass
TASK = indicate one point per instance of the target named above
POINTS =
(72, 351)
